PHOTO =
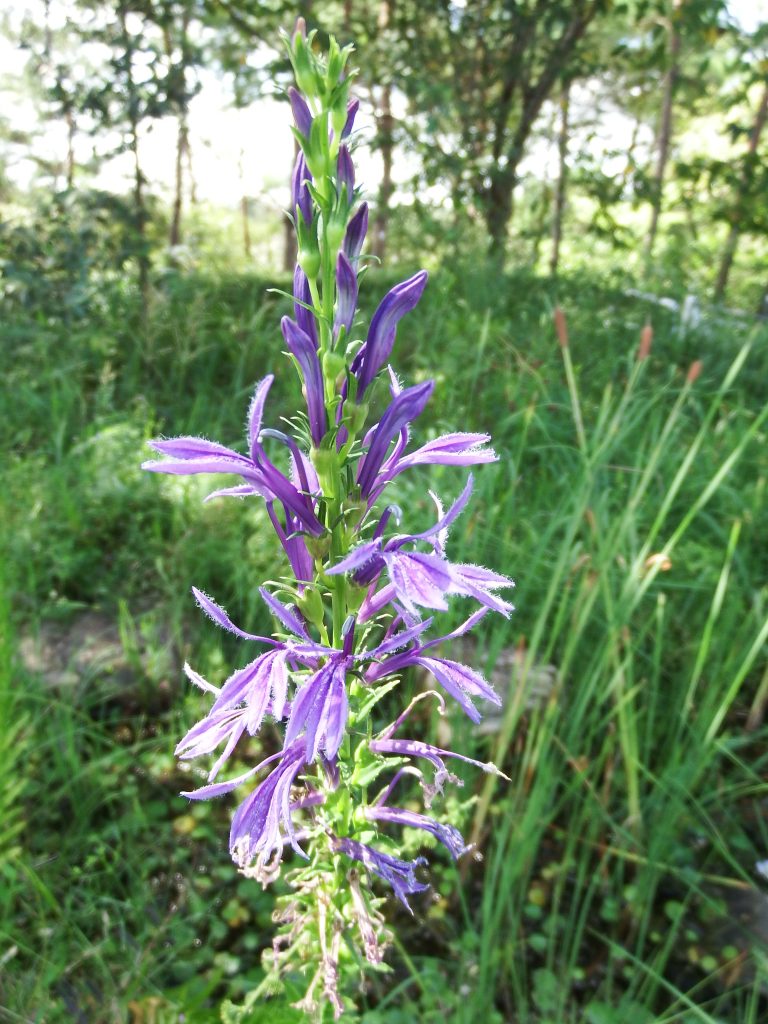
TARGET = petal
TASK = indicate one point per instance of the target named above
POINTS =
(419, 579)
(256, 411)
(289, 619)
(361, 555)
(221, 618)
(194, 448)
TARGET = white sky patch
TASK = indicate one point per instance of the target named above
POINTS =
(248, 151)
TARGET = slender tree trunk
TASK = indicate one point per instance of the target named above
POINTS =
(499, 204)
(497, 198)
(190, 172)
(762, 306)
(140, 210)
(385, 124)
(70, 120)
(732, 241)
(664, 136)
(174, 237)
(562, 177)
(244, 208)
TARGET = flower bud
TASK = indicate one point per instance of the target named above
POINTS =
(333, 366)
(326, 463)
(304, 66)
(345, 174)
(355, 234)
(311, 606)
(301, 112)
(352, 108)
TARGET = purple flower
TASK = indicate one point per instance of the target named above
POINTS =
(187, 456)
(303, 298)
(403, 409)
(447, 450)
(435, 756)
(400, 874)
(381, 333)
(352, 108)
(320, 709)
(301, 112)
(346, 285)
(304, 352)
(419, 579)
(460, 681)
(449, 836)
(300, 196)
(263, 822)
(355, 236)
(345, 173)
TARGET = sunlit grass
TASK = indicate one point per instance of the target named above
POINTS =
(635, 530)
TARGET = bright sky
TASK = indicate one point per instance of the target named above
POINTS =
(232, 151)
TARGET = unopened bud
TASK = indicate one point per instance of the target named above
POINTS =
(311, 605)
(333, 367)
(693, 372)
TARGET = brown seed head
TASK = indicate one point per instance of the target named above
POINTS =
(646, 340)
(693, 372)
(561, 328)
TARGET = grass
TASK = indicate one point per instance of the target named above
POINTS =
(628, 504)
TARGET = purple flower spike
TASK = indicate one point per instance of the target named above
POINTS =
(304, 317)
(355, 236)
(449, 836)
(400, 874)
(403, 410)
(301, 112)
(345, 173)
(346, 284)
(381, 334)
(305, 353)
(352, 108)
(258, 825)
(299, 192)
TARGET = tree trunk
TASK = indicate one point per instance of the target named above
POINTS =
(174, 237)
(190, 172)
(562, 177)
(244, 208)
(140, 211)
(385, 126)
(732, 241)
(498, 207)
(664, 137)
(70, 120)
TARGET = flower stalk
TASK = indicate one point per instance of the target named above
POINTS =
(363, 594)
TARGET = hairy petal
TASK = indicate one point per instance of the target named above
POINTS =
(220, 617)
(449, 836)
(263, 818)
